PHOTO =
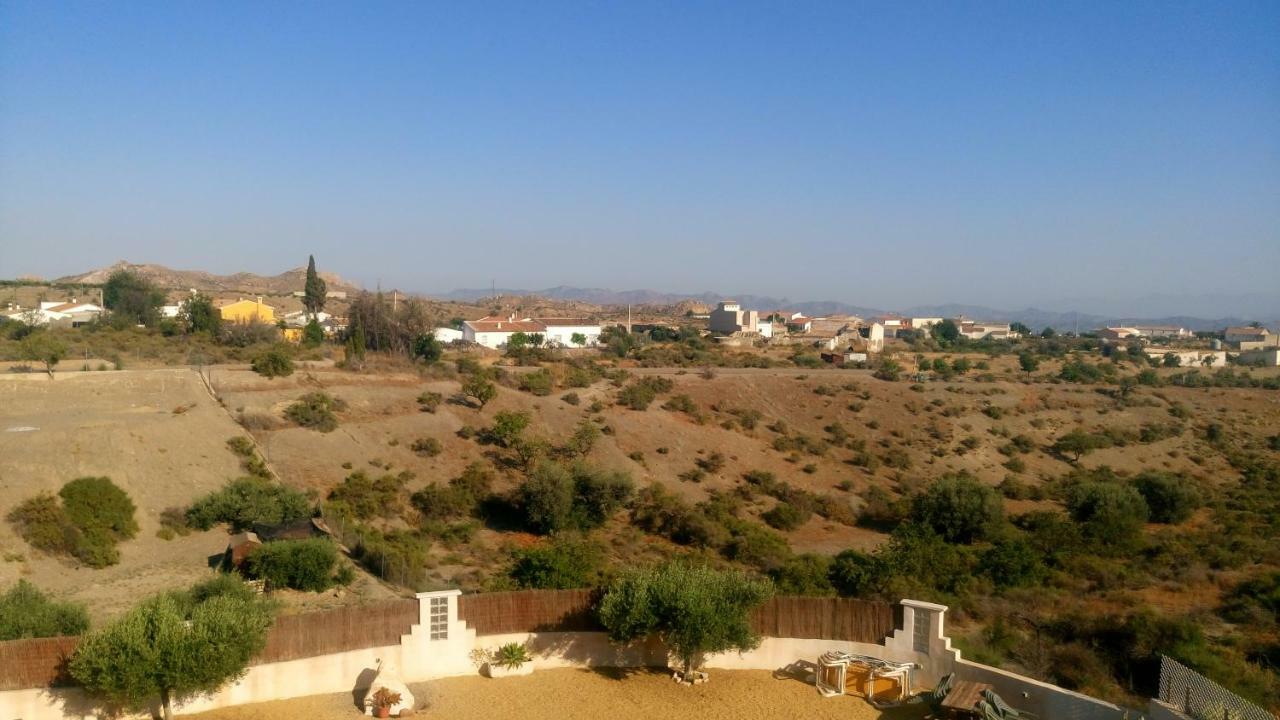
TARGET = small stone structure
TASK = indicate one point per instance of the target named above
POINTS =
(389, 678)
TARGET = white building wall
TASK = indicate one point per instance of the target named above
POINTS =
(562, 335)
(921, 639)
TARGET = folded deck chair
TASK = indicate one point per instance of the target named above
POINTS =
(942, 689)
(1006, 711)
(987, 711)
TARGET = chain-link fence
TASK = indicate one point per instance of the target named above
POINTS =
(375, 554)
(1202, 698)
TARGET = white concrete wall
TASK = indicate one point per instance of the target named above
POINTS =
(1043, 699)
(420, 658)
(562, 335)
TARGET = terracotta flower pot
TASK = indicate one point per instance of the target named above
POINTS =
(383, 711)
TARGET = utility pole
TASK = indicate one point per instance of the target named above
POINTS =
(628, 318)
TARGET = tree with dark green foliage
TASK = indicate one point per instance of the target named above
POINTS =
(96, 503)
(695, 609)
(312, 333)
(945, 332)
(1109, 513)
(25, 612)
(855, 574)
(1048, 333)
(565, 563)
(575, 497)
(172, 647)
(199, 315)
(355, 347)
(427, 348)
(507, 427)
(248, 500)
(1028, 362)
(806, 575)
(315, 290)
(959, 508)
(132, 299)
(273, 362)
(1170, 497)
(1019, 328)
(1012, 563)
(1076, 444)
(307, 564)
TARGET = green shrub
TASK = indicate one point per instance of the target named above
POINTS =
(805, 575)
(1012, 564)
(642, 392)
(564, 563)
(93, 516)
(248, 500)
(959, 508)
(428, 401)
(25, 612)
(538, 382)
(571, 398)
(427, 447)
(315, 410)
(786, 516)
(365, 497)
(307, 564)
(274, 362)
(398, 556)
(581, 497)
(458, 499)
(855, 574)
(1109, 513)
(1171, 498)
(97, 503)
(41, 521)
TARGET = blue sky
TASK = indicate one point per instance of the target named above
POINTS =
(885, 154)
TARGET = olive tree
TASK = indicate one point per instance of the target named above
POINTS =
(43, 348)
(173, 647)
(479, 389)
(696, 610)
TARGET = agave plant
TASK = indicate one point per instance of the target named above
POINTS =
(511, 656)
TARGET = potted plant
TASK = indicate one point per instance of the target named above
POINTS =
(510, 659)
(383, 700)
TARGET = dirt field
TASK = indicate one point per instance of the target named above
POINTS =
(123, 425)
(929, 424)
(568, 694)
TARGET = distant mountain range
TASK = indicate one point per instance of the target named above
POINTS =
(1032, 317)
(244, 282)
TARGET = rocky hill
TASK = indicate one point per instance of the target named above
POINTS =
(282, 284)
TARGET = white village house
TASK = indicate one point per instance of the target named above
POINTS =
(57, 312)
(494, 332)
(729, 318)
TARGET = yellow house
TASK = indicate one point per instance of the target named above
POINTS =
(248, 311)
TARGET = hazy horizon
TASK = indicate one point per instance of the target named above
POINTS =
(1088, 157)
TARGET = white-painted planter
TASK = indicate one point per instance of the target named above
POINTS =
(494, 670)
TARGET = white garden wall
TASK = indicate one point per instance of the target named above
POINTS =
(444, 648)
